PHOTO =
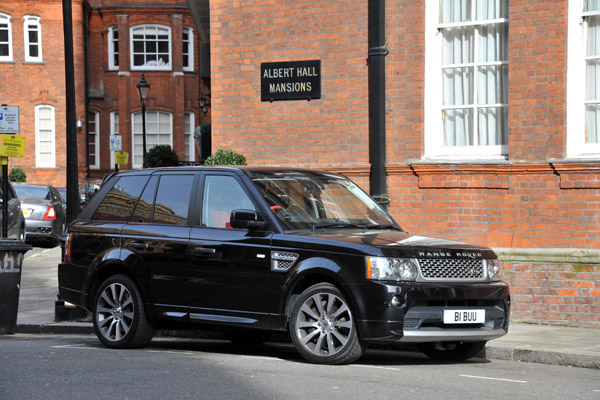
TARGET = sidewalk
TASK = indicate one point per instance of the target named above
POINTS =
(577, 347)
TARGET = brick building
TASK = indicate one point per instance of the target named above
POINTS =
(129, 39)
(32, 77)
(491, 123)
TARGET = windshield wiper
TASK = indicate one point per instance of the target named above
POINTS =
(337, 225)
(378, 226)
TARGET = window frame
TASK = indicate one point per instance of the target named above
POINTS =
(132, 53)
(38, 162)
(190, 46)
(135, 134)
(114, 130)
(96, 136)
(5, 18)
(433, 101)
(32, 20)
(190, 146)
(112, 66)
(576, 83)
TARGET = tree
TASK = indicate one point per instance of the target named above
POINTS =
(226, 157)
(161, 156)
(17, 175)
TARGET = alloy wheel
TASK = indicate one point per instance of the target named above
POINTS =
(115, 312)
(324, 324)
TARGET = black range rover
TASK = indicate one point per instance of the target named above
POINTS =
(250, 251)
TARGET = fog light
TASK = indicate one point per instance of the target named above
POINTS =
(396, 301)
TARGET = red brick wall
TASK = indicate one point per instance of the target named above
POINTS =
(30, 84)
(331, 130)
(558, 289)
(538, 79)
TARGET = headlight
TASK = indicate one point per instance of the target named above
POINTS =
(391, 269)
(493, 268)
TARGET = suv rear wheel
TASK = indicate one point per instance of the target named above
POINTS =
(322, 327)
(119, 316)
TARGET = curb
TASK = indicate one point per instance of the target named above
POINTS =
(570, 358)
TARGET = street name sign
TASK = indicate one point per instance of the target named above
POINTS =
(290, 80)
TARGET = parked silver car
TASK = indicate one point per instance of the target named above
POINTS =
(16, 220)
(45, 213)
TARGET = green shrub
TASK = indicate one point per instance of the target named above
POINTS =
(17, 175)
(161, 156)
(226, 157)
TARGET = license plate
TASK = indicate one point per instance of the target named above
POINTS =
(464, 316)
(26, 212)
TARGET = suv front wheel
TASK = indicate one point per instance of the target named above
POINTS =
(119, 316)
(322, 327)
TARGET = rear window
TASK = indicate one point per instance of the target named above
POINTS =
(120, 201)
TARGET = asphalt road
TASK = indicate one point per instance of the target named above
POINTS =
(79, 367)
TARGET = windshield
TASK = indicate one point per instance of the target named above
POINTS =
(308, 200)
(32, 192)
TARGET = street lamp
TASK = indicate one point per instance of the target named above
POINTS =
(203, 104)
(144, 89)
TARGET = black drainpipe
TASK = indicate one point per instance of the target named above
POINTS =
(377, 53)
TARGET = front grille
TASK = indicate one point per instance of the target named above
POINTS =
(454, 268)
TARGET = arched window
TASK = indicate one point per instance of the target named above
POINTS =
(33, 38)
(151, 47)
(45, 137)
(159, 130)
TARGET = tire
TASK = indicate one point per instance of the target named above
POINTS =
(451, 351)
(322, 326)
(119, 315)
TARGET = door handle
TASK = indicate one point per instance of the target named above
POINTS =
(201, 251)
(139, 245)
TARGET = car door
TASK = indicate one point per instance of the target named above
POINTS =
(229, 269)
(15, 215)
(158, 235)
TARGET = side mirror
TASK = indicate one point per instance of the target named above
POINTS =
(247, 219)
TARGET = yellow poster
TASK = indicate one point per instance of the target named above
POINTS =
(121, 157)
(12, 145)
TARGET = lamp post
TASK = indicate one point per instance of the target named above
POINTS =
(144, 88)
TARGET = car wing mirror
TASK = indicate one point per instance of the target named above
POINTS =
(247, 219)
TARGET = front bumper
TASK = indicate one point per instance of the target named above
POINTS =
(413, 312)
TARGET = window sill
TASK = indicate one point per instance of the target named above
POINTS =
(34, 62)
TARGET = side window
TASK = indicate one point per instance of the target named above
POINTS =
(222, 194)
(173, 199)
(121, 199)
(143, 210)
